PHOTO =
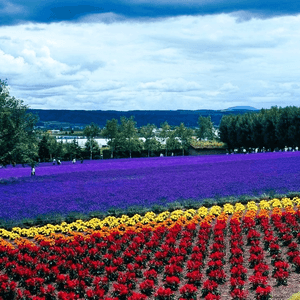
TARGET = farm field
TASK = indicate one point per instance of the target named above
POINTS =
(101, 185)
(229, 252)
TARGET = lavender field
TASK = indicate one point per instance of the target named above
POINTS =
(100, 185)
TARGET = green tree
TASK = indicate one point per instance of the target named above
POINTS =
(206, 128)
(172, 142)
(73, 150)
(165, 134)
(269, 130)
(44, 148)
(92, 145)
(185, 136)
(244, 130)
(111, 132)
(18, 140)
(257, 136)
(128, 135)
(91, 131)
(151, 144)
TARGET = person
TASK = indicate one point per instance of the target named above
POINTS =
(161, 155)
(54, 161)
(33, 171)
(81, 160)
(58, 162)
(74, 160)
(172, 154)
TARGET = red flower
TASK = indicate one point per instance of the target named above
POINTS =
(172, 282)
(137, 296)
(211, 296)
(263, 291)
(238, 294)
(147, 286)
(188, 291)
(164, 294)
(258, 280)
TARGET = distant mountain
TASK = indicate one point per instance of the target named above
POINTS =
(241, 108)
(56, 119)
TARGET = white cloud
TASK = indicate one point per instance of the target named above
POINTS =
(177, 63)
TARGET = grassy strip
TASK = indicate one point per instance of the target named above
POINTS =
(56, 219)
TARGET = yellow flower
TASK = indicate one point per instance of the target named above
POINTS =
(287, 202)
(239, 207)
(252, 205)
(228, 208)
(202, 211)
(215, 210)
(276, 203)
(263, 204)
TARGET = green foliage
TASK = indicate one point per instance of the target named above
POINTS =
(174, 206)
(44, 148)
(165, 134)
(270, 128)
(18, 142)
(92, 147)
(157, 209)
(150, 144)
(206, 128)
(111, 133)
(185, 136)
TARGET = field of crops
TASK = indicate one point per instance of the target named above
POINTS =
(100, 185)
(230, 251)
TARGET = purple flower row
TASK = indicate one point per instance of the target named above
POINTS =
(100, 185)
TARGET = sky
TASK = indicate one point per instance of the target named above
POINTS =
(151, 54)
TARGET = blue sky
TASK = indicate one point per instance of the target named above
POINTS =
(144, 55)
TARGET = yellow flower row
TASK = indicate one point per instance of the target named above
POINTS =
(148, 218)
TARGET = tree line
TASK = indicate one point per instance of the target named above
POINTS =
(21, 143)
(274, 128)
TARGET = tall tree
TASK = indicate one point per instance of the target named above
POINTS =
(257, 136)
(111, 132)
(173, 142)
(151, 144)
(185, 136)
(244, 127)
(269, 131)
(73, 150)
(18, 141)
(44, 148)
(128, 134)
(91, 131)
(92, 145)
(206, 128)
(165, 133)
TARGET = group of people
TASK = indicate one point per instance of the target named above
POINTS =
(54, 163)
(58, 162)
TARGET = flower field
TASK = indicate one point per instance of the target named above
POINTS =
(101, 185)
(230, 252)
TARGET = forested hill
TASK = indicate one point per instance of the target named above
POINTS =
(142, 117)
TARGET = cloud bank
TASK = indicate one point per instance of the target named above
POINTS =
(128, 55)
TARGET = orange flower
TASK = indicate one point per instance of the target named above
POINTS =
(251, 214)
(290, 209)
(263, 212)
(6, 244)
(223, 216)
(237, 215)
(277, 211)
